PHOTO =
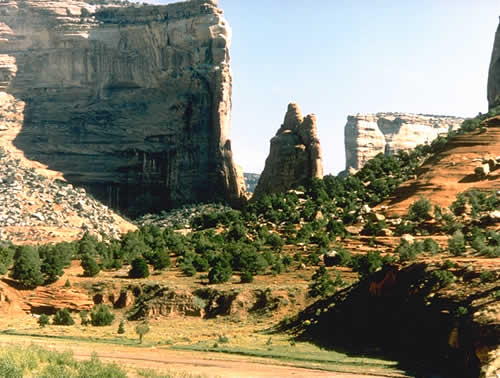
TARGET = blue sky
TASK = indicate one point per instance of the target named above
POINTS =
(341, 57)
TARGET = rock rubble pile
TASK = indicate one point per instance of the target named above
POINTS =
(30, 201)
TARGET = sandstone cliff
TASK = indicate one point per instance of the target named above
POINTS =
(494, 73)
(371, 134)
(294, 156)
(133, 103)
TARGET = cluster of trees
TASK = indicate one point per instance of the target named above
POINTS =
(100, 316)
(251, 241)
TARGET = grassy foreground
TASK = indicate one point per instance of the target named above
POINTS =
(35, 361)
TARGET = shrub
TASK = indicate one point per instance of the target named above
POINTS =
(443, 278)
(121, 327)
(431, 246)
(487, 276)
(6, 255)
(458, 206)
(456, 244)
(367, 264)
(373, 228)
(101, 316)
(406, 251)
(420, 210)
(221, 272)
(141, 330)
(160, 259)
(84, 320)
(139, 268)
(188, 268)
(322, 284)
(63, 317)
(90, 266)
(246, 277)
(43, 320)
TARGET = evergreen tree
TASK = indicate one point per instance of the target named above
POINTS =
(139, 268)
(27, 267)
(90, 266)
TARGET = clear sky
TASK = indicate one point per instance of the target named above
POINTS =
(341, 57)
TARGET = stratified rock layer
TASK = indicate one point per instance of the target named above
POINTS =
(368, 135)
(294, 156)
(133, 103)
(494, 73)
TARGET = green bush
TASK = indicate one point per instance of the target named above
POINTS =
(90, 266)
(373, 228)
(139, 268)
(101, 316)
(431, 246)
(141, 330)
(487, 276)
(121, 327)
(84, 319)
(43, 320)
(443, 278)
(367, 264)
(456, 244)
(27, 267)
(246, 277)
(63, 317)
(221, 272)
(420, 210)
(458, 206)
(322, 285)
(160, 259)
(407, 251)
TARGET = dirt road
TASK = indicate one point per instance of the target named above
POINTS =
(206, 364)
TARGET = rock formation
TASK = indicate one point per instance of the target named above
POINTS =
(133, 103)
(368, 135)
(294, 156)
(494, 73)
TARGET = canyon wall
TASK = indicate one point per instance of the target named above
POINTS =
(294, 155)
(494, 73)
(132, 103)
(367, 135)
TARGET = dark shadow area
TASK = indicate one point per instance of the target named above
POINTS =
(395, 321)
(14, 284)
(405, 191)
(469, 178)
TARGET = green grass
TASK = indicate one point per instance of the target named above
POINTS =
(300, 354)
(34, 361)
(109, 340)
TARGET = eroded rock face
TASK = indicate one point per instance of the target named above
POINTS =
(368, 135)
(494, 73)
(294, 155)
(133, 103)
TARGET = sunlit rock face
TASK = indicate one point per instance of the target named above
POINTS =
(366, 135)
(494, 73)
(294, 155)
(133, 103)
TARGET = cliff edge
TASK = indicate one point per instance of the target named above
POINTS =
(367, 135)
(133, 103)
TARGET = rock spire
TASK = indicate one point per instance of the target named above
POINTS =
(294, 155)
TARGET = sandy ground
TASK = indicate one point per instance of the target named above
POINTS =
(206, 364)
